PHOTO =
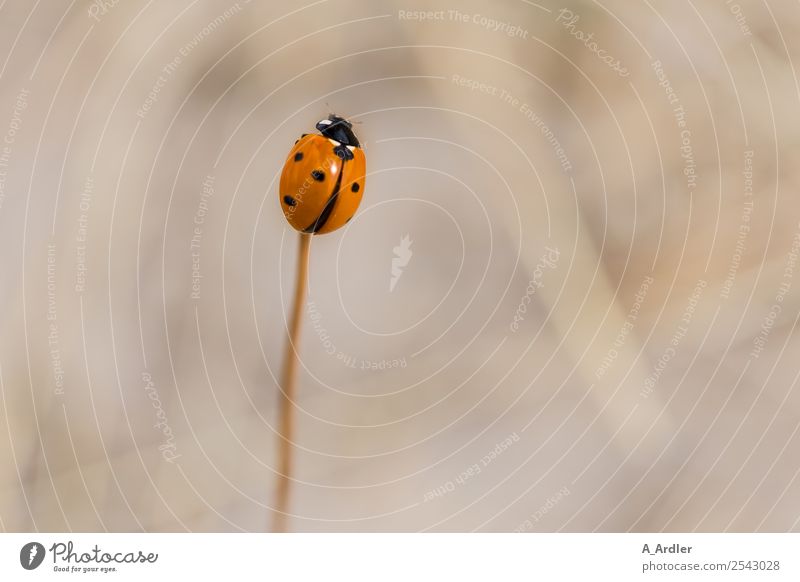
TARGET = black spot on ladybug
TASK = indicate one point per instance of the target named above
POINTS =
(318, 175)
(298, 156)
(318, 224)
(355, 187)
(290, 201)
(343, 152)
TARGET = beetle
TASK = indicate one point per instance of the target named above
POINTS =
(322, 181)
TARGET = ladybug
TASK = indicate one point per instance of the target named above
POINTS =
(323, 178)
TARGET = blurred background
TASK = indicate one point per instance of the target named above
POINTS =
(568, 301)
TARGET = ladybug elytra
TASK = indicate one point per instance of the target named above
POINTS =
(323, 178)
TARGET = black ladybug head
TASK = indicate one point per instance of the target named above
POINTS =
(338, 129)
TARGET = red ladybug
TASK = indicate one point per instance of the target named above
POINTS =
(323, 178)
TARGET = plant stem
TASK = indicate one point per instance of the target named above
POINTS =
(286, 401)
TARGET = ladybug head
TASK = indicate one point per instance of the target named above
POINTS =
(338, 129)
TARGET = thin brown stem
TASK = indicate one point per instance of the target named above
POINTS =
(286, 401)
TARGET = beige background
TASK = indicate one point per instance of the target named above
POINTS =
(479, 189)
